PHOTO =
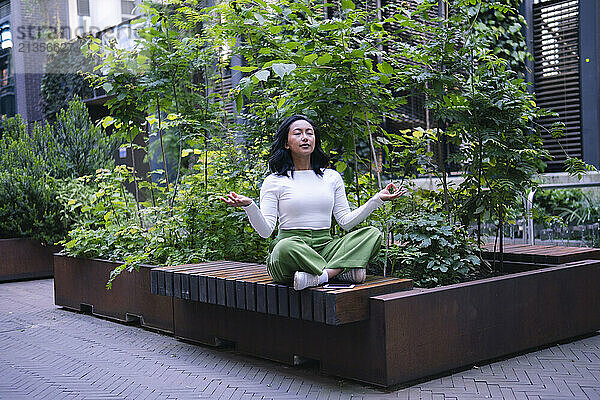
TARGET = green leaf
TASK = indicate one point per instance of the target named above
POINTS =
(385, 68)
(341, 166)
(262, 75)
(348, 5)
(292, 45)
(324, 59)
(141, 60)
(275, 29)
(152, 119)
(243, 69)
(107, 121)
(310, 58)
(282, 70)
(272, 62)
(358, 53)
(275, 7)
(239, 102)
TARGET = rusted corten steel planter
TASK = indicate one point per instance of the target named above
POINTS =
(406, 335)
(417, 333)
(432, 331)
(25, 259)
(79, 284)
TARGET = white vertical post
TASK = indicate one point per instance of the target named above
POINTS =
(528, 209)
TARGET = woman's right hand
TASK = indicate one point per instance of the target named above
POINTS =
(236, 200)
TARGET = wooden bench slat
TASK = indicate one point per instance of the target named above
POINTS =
(248, 286)
(260, 293)
(543, 254)
(272, 303)
(294, 303)
(242, 298)
(319, 305)
(283, 308)
(173, 285)
(306, 311)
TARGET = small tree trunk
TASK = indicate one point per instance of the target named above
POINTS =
(176, 185)
(372, 148)
(135, 183)
(162, 146)
(501, 234)
(442, 165)
(387, 228)
(355, 163)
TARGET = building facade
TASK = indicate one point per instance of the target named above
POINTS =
(30, 29)
(564, 38)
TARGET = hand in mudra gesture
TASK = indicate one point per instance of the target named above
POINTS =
(236, 200)
(391, 192)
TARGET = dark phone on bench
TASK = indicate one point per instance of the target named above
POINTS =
(339, 285)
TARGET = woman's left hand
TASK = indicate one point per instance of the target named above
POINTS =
(391, 192)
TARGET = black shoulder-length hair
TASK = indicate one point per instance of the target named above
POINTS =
(281, 161)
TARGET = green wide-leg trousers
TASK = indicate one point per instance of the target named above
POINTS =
(313, 251)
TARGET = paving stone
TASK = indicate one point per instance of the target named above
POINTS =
(51, 353)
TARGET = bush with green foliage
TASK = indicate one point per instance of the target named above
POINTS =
(37, 172)
(430, 251)
(196, 227)
(566, 206)
(78, 146)
(29, 208)
(28, 205)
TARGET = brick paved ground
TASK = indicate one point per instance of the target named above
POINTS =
(50, 353)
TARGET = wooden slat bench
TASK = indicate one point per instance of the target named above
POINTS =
(526, 257)
(247, 286)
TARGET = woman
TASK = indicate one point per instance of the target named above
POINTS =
(302, 192)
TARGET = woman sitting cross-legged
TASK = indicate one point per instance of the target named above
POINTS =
(302, 192)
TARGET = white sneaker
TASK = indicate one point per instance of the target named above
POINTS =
(303, 280)
(354, 275)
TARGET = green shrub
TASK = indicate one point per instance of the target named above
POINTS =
(29, 208)
(78, 146)
(566, 206)
(37, 170)
(70, 147)
(430, 251)
(198, 227)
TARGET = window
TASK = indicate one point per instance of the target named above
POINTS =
(5, 36)
(4, 9)
(5, 73)
(127, 7)
(83, 8)
(7, 96)
(556, 76)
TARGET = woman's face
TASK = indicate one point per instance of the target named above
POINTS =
(301, 138)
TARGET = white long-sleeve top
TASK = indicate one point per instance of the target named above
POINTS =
(305, 201)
